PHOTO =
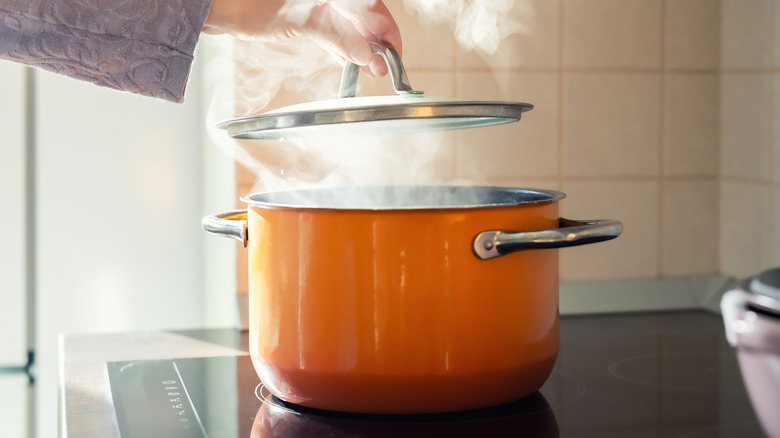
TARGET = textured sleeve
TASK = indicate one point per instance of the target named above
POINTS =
(140, 46)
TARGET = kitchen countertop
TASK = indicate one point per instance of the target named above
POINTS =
(85, 405)
(661, 374)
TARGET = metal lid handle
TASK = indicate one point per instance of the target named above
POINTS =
(401, 84)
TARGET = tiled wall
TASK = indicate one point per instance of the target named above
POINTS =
(632, 100)
(750, 136)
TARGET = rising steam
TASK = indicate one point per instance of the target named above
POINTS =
(273, 74)
(478, 24)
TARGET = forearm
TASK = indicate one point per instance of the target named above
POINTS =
(142, 46)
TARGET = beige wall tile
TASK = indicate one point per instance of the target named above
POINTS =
(244, 176)
(774, 228)
(775, 33)
(746, 117)
(371, 86)
(690, 228)
(611, 124)
(433, 84)
(528, 183)
(693, 34)
(241, 190)
(744, 212)
(242, 261)
(747, 33)
(535, 48)
(242, 270)
(526, 149)
(612, 33)
(427, 44)
(691, 131)
(632, 255)
(775, 166)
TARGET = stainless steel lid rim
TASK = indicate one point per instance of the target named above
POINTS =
(451, 107)
(476, 113)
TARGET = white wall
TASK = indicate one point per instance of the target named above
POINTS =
(13, 405)
(13, 228)
(12, 216)
(118, 218)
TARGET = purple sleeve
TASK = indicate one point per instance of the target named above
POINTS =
(141, 46)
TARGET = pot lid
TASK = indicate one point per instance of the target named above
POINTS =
(409, 111)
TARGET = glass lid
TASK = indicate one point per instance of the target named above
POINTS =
(409, 111)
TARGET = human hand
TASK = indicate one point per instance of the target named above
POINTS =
(343, 27)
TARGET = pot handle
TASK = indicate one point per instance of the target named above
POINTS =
(733, 307)
(232, 224)
(495, 243)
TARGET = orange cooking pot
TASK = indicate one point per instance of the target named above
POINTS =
(404, 299)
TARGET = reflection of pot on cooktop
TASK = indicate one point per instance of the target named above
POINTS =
(751, 313)
(531, 415)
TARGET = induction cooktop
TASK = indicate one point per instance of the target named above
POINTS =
(668, 374)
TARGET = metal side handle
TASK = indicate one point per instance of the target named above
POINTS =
(495, 243)
(232, 224)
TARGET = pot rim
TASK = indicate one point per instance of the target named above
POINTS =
(401, 197)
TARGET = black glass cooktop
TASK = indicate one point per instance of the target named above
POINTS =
(639, 375)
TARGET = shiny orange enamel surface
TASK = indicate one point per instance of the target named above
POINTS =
(390, 311)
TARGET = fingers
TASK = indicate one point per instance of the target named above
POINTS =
(337, 34)
(373, 22)
(343, 27)
(381, 24)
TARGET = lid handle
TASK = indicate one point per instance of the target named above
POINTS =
(394, 66)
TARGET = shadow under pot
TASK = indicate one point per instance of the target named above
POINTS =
(404, 299)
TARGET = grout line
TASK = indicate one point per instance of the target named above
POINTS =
(691, 178)
(750, 182)
(561, 85)
(753, 70)
(770, 230)
(662, 147)
(719, 182)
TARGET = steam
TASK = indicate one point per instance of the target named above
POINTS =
(268, 75)
(478, 24)
(298, 66)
